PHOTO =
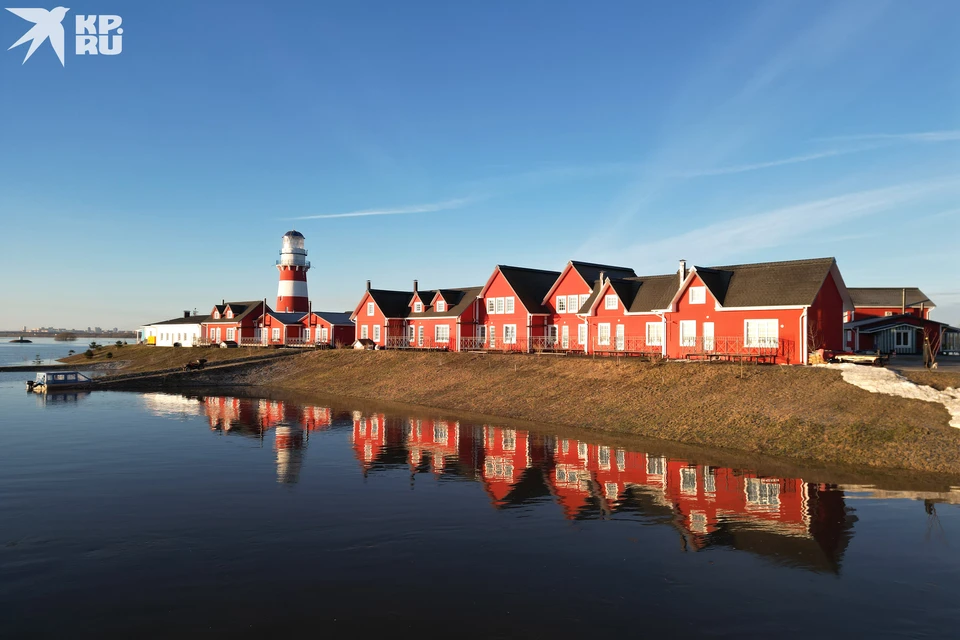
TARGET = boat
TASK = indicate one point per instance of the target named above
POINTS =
(52, 381)
(22, 340)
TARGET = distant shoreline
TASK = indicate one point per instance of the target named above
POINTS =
(120, 335)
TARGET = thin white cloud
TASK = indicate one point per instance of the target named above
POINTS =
(920, 136)
(445, 205)
(743, 168)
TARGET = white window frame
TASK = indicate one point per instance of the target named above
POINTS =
(603, 334)
(759, 340)
(509, 334)
(324, 336)
(441, 306)
(581, 334)
(216, 315)
(420, 336)
(370, 308)
(493, 335)
(364, 332)
(508, 304)
(229, 314)
(583, 299)
(306, 334)
(610, 301)
(231, 334)
(697, 295)
(418, 307)
(441, 333)
(412, 333)
(275, 334)
(376, 333)
(500, 304)
(572, 303)
(561, 304)
(654, 338)
(687, 337)
(491, 305)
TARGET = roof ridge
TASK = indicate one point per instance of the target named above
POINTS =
(530, 269)
(774, 262)
(597, 264)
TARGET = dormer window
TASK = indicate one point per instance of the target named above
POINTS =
(418, 307)
(216, 315)
(369, 308)
(441, 305)
(229, 313)
(698, 295)
(610, 301)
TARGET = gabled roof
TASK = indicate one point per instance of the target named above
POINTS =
(872, 325)
(458, 301)
(335, 317)
(767, 284)
(530, 285)
(426, 297)
(590, 272)
(182, 320)
(288, 318)
(393, 304)
(240, 311)
(641, 294)
(889, 297)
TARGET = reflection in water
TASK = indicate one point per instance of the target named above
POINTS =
(787, 520)
(61, 398)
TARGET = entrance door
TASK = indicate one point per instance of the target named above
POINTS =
(621, 340)
(708, 336)
(420, 336)
(565, 337)
(552, 332)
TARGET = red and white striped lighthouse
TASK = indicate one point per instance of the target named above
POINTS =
(293, 267)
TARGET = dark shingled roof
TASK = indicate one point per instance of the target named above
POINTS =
(766, 284)
(293, 317)
(182, 320)
(425, 297)
(530, 285)
(889, 297)
(639, 294)
(393, 304)
(335, 317)
(458, 300)
(240, 311)
(590, 271)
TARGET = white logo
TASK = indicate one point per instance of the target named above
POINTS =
(95, 34)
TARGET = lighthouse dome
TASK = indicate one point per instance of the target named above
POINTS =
(293, 233)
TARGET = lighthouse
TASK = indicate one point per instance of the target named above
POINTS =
(293, 267)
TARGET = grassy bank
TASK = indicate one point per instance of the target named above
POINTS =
(142, 358)
(795, 412)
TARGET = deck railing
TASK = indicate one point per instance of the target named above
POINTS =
(426, 343)
(737, 348)
(627, 345)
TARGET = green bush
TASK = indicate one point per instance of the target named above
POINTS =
(109, 354)
(119, 343)
(88, 353)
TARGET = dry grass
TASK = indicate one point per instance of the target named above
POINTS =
(783, 411)
(137, 358)
(937, 379)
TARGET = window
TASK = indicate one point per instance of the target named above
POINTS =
(323, 335)
(441, 305)
(582, 450)
(482, 333)
(412, 333)
(376, 333)
(583, 299)
(688, 480)
(509, 440)
(363, 332)
(656, 466)
(276, 333)
(603, 457)
(849, 335)
(902, 338)
(370, 308)
(561, 304)
(508, 304)
(762, 492)
(688, 333)
(760, 333)
(509, 334)
(231, 333)
(582, 334)
(610, 301)
(499, 305)
(441, 333)
(216, 315)
(420, 336)
(603, 334)
(418, 307)
(709, 480)
(888, 313)
(621, 460)
(491, 305)
(572, 306)
(698, 295)
(306, 335)
(654, 334)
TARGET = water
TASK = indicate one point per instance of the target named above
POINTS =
(151, 515)
(47, 349)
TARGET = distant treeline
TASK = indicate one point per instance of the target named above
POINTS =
(76, 334)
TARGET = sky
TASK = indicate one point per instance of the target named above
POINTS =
(434, 140)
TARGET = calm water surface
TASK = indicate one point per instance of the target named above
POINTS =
(151, 515)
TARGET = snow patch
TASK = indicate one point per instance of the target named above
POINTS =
(886, 381)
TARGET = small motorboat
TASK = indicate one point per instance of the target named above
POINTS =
(51, 381)
(21, 340)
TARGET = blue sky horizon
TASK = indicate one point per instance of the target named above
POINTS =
(434, 140)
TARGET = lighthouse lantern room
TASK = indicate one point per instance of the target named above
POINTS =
(293, 267)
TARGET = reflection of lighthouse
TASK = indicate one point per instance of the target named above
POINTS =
(293, 267)
(289, 446)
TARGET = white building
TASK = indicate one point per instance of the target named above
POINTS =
(185, 330)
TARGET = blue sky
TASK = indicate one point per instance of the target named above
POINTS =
(526, 133)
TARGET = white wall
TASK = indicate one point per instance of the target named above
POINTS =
(186, 334)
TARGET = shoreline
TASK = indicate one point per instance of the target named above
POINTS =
(796, 413)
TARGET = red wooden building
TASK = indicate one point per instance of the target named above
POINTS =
(884, 302)
(770, 311)
(328, 328)
(442, 319)
(514, 315)
(233, 322)
(381, 315)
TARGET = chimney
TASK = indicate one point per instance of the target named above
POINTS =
(602, 274)
(186, 313)
(903, 301)
(414, 286)
(368, 285)
(683, 271)
(223, 302)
